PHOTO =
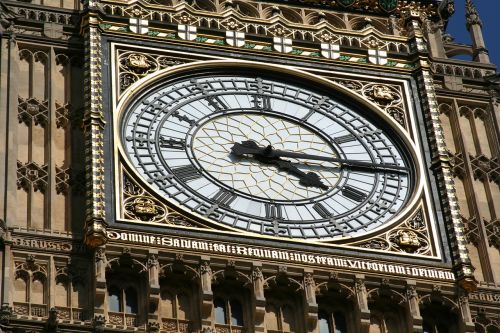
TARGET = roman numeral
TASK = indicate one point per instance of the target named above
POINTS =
(217, 103)
(188, 120)
(159, 178)
(224, 197)
(381, 205)
(210, 211)
(336, 226)
(321, 210)
(273, 211)
(353, 194)
(186, 173)
(275, 230)
(261, 102)
(344, 138)
(173, 143)
(141, 138)
(371, 135)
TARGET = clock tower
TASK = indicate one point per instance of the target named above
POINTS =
(241, 166)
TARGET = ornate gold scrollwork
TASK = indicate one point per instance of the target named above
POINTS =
(139, 205)
(383, 93)
(407, 239)
(387, 97)
(138, 62)
(411, 236)
(143, 208)
(133, 66)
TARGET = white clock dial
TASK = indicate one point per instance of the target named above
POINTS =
(214, 139)
(268, 157)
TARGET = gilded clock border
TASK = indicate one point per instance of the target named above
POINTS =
(417, 201)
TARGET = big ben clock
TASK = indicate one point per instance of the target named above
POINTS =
(268, 154)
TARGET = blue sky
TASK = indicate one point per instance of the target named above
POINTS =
(489, 11)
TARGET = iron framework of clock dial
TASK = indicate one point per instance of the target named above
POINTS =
(268, 157)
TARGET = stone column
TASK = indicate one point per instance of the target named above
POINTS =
(8, 271)
(93, 128)
(9, 72)
(311, 307)
(100, 281)
(51, 283)
(475, 28)
(362, 311)
(440, 158)
(435, 39)
(51, 193)
(413, 318)
(154, 286)
(395, 28)
(259, 300)
(467, 325)
(207, 297)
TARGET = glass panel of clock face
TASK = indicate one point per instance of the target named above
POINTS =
(267, 157)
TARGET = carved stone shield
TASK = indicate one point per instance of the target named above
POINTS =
(52, 30)
(388, 5)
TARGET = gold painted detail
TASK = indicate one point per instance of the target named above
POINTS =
(412, 236)
(444, 172)
(407, 239)
(264, 12)
(387, 97)
(93, 130)
(272, 20)
(139, 205)
(133, 66)
(383, 94)
(144, 209)
(138, 62)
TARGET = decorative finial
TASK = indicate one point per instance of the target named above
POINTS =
(471, 14)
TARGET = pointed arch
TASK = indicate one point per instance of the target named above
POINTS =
(247, 9)
(232, 295)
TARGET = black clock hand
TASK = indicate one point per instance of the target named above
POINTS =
(252, 148)
(309, 179)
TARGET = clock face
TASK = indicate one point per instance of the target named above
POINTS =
(266, 156)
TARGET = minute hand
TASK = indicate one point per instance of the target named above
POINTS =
(344, 162)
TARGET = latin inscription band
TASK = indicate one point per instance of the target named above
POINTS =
(281, 255)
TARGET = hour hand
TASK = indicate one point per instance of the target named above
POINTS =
(309, 179)
(312, 179)
(265, 155)
(246, 148)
